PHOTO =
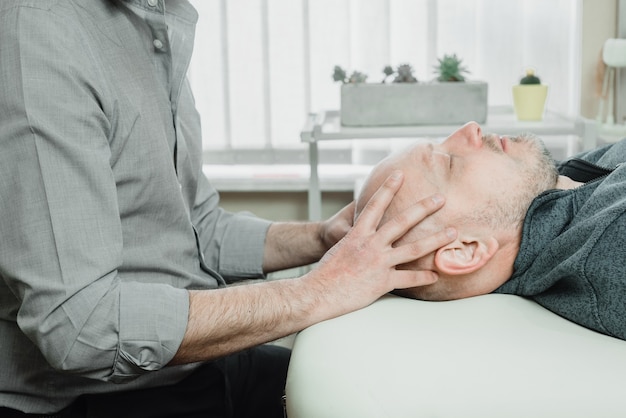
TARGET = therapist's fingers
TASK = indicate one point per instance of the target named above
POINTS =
(363, 265)
(336, 227)
(375, 208)
(410, 276)
(410, 279)
(412, 250)
(401, 223)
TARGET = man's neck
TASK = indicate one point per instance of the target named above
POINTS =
(565, 183)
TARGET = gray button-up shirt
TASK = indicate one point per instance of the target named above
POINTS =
(105, 216)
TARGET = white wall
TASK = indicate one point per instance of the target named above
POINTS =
(282, 206)
(599, 23)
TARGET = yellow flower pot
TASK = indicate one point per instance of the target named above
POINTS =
(529, 101)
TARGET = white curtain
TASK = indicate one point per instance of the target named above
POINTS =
(260, 66)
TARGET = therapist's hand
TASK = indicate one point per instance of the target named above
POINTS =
(335, 228)
(359, 269)
(362, 266)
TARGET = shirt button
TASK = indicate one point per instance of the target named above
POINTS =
(153, 3)
(157, 44)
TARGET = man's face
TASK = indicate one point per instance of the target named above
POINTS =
(489, 178)
(488, 181)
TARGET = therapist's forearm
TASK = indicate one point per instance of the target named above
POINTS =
(231, 319)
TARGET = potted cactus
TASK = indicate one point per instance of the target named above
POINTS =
(450, 69)
(400, 99)
(529, 97)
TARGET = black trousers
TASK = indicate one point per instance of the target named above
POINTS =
(247, 384)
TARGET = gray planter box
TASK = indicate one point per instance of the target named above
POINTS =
(434, 103)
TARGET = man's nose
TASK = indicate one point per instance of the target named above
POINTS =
(473, 133)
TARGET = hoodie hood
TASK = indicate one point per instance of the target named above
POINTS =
(572, 257)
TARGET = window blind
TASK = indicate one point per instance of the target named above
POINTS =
(260, 66)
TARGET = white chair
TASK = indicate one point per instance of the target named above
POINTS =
(487, 356)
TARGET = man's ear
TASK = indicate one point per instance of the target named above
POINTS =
(465, 256)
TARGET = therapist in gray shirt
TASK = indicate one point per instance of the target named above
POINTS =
(114, 253)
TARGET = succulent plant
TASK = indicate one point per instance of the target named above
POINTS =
(404, 74)
(530, 77)
(388, 71)
(357, 77)
(450, 68)
(340, 75)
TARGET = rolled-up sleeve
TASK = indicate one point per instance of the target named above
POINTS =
(149, 338)
(232, 243)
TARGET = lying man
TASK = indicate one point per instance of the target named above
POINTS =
(525, 226)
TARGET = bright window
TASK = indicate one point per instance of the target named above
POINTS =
(260, 66)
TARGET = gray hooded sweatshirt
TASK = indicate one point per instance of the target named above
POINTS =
(572, 257)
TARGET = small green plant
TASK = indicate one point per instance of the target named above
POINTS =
(340, 75)
(450, 69)
(530, 77)
(403, 74)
